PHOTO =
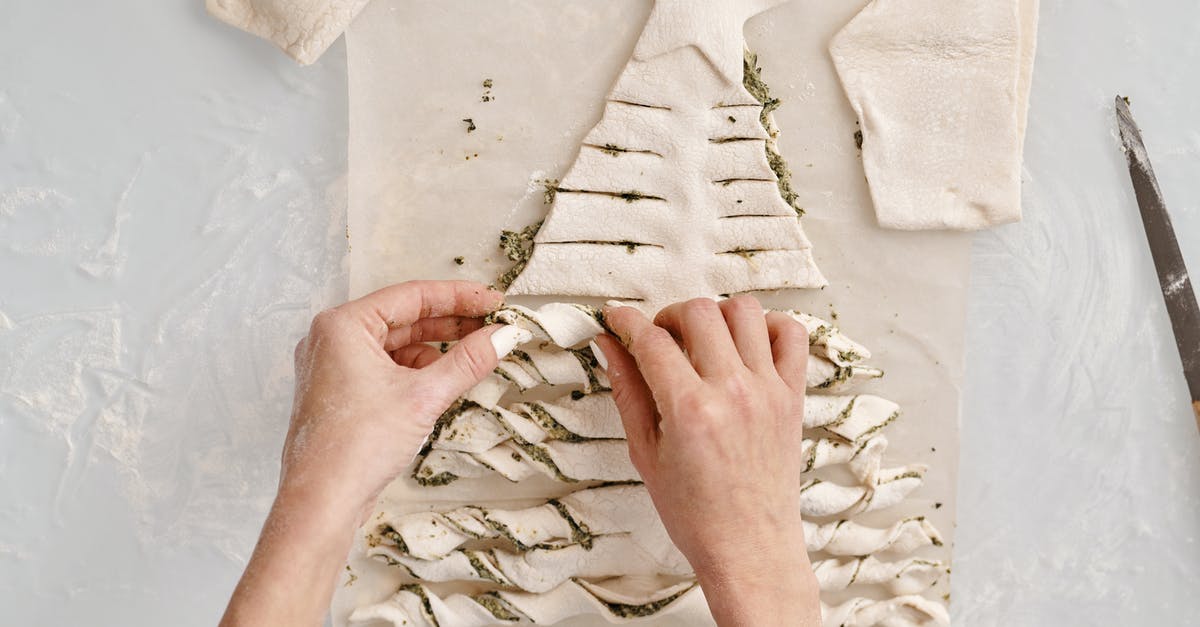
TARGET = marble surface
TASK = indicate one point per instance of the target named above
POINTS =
(171, 198)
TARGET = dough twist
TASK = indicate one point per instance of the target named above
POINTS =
(848, 538)
(902, 611)
(837, 361)
(578, 437)
(821, 498)
(416, 606)
(909, 576)
(615, 510)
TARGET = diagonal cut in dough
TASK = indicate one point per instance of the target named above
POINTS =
(941, 90)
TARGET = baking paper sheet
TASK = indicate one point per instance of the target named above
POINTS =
(424, 191)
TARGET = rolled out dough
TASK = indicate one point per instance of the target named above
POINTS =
(941, 90)
(302, 28)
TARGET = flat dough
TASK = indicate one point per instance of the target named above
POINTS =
(676, 193)
(941, 89)
(304, 29)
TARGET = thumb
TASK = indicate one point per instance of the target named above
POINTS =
(634, 401)
(472, 359)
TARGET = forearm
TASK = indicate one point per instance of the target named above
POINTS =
(294, 568)
(762, 592)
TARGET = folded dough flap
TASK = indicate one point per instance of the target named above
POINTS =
(304, 29)
(940, 90)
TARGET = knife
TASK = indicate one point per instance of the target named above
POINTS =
(1168, 261)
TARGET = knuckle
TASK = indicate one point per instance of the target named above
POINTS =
(739, 388)
(649, 336)
(789, 326)
(700, 305)
(694, 406)
(745, 304)
(326, 322)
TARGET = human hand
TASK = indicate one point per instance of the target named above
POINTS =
(369, 388)
(368, 392)
(715, 430)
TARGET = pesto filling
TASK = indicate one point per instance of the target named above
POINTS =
(580, 533)
(646, 609)
(496, 606)
(517, 246)
(752, 80)
(426, 606)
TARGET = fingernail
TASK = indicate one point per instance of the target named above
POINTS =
(598, 354)
(508, 337)
(615, 303)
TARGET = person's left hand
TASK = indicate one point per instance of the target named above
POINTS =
(369, 388)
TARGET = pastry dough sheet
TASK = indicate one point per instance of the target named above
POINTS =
(424, 191)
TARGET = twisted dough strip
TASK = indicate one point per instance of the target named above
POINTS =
(836, 363)
(473, 440)
(543, 568)
(850, 417)
(901, 611)
(599, 532)
(820, 498)
(416, 606)
(910, 576)
(576, 518)
(475, 437)
(847, 538)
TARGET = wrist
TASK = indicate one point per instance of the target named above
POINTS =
(768, 586)
(295, 566)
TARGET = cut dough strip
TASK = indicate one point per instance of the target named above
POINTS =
(607, 511)
(910, 576)
(848, 538)
(416, 606)
(579, 436)
(578, 439)
(902, 611)
(541, 569)
(838, 361)
(851, 417)
(821, 498)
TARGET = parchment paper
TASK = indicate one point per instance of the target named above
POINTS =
(423, 191)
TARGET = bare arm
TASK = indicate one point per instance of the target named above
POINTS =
(714, 430)
(368, 391)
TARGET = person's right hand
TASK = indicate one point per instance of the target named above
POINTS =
(715, 430)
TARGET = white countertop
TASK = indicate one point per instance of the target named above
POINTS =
(171, 198)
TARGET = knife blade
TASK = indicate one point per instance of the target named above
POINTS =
(1164, 248)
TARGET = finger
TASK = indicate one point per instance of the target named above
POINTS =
(701, 327)
(634, 400)
(405, 303)
(660, 362)
(789, 347)
(416, 355)
(472, 359)
(440, 329)
(748, 327)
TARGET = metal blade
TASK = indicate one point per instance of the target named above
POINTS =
(1164, 248)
